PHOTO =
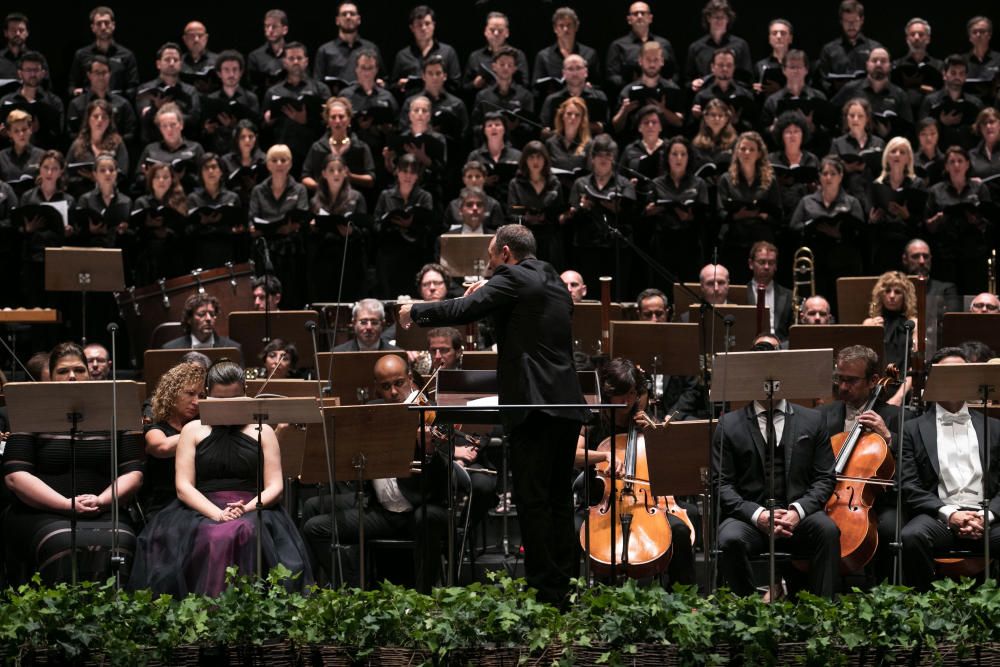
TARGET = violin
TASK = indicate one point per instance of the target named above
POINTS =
(864, 467)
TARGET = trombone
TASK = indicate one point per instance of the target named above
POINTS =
(804, 275)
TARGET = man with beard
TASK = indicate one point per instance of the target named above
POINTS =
(888, 100)
(338, 58)
(942, 296)
(201, 312)
(954, 110)
(124, 68)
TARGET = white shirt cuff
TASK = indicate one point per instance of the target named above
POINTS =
(798, 508)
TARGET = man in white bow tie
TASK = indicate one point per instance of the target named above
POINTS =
(944, 480)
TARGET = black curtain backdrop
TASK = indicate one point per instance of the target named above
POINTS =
(59, 28)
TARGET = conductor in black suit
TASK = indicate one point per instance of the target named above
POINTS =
(531, 312)
(803, 481)
(201, 312)
(943, 463)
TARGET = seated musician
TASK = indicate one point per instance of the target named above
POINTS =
(943, 481)
(368, 322)
(280, 361)
(266, 292)
(984, 302)
(394, 508)
(652, 305)
(803, 482)
(37, 471)
(574, 283)
(778, 298)
(624, 382)
(893, 303)
(713, 279)
(856, 376)
(201, 312)
(816, 310)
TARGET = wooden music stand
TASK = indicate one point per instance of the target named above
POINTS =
(854, 293)
(969, 382)
(682, 300)
(465, 254)
(327, 315)
(587, 326)
(52, 406)
(743, 331)
(283, 387)
(960, 327)
(413, 338)
(659, 347)
(243, 410)
(678, 457)
(84, 270)
(479, 360)
(835, 336)
(353, 373)
(367, 442)
(157, 362)
(248, 329)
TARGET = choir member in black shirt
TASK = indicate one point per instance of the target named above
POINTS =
(823, 218)
(535, 199)
(275, 203)
(295, 128)
(409, 60)
(110, 228)
(432, 160)
(265, 63)
(791, 133)
(156, 216)
(496, 154)
(915, 71)
(650, 60)
(717, 19)
(748, 203)
(98, 134)
(474, 175)
(448, 113)
(894, 222)
(45, 107)
(623, 53)
(15, 34)
(98, 72)
(243, 166)
(37, 233)
(598, 201)
(478, 73)
(929, 160)
(505, 94)
(678, 200)
(848, 53)
(19, 161)
(376, 111)
(984, 62)
(198, 63)
(643, 160)
(959, 234)
(575, 73)
(716, 136)
(953, 109)
(986, 155)
(859, 149)
(149, 97)
(218, 129)
(182, 154)
(209, 244)
(337, 113)
(405, 229)
(890, 106)
(338, 58)
(549, 62)
(724, 87)
(796, 94)
(124, 68)
(569, 144)
(779, 38)
(341, 239)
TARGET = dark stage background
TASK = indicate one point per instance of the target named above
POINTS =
(58, 28)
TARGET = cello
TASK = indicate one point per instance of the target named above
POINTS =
(864, 466)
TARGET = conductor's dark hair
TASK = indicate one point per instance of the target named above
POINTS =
(225, 372)
(518, 238)
(63, 350)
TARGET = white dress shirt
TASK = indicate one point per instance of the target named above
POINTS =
(389, 496)
(960, 484)
(196, 344)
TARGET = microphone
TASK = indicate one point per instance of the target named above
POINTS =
(310, 326)
(112, 327)
(729, 320)
(715, 254)
(908, 325)
(268, 267)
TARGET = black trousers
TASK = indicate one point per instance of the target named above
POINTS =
(541, 460)
(924, 535)
(816, 539)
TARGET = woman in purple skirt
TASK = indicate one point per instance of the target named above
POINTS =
(212, 525)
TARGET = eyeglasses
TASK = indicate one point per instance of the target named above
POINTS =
(432, 283)
(369, 322)
(990, 307)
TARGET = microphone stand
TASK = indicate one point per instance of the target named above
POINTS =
(268, 272)
(117, 559)
(14, 360)
(897, 544)
(331, 337)
(715, 484)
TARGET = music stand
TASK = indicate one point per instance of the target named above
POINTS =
(84, 270)
(479, 360)
(157, 362)
(412, 338)
(587, 326)
(35, 407)
(836, 337)
(960, 327)
(854, 293)
(742, 333)
(736, 296)
(771, 376)
(338, 314)
(465, 254)
(968, 382)
(286, 388)
(243, 410)
(354, 372)
(661, 348)
(373, 441)
(248, 328)
(678, 457)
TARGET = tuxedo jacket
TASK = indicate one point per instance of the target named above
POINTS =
(782, 308)
(184, 342)
(805, 445)
(922, 470)
(352, 345)
(532, 320)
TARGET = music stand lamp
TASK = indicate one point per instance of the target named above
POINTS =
(84, 270)
(772, 376)
(36, 407)
(968, 382)
(244, 410)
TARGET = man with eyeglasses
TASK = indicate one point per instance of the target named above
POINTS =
(985, 302)
(338, 58)
(623, 54)
(984, 62)
(368, 322)
(46, 108)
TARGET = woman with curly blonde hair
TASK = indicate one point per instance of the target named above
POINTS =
(893, 304)
(175, 403)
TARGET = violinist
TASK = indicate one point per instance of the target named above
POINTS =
(943, 481)
(625, 383)
(803, 478)
(856, 377)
